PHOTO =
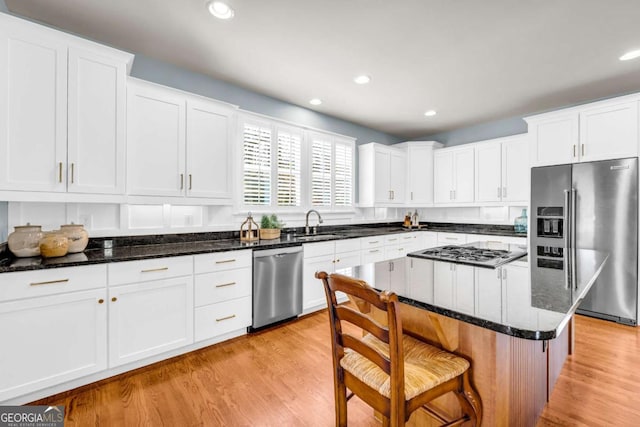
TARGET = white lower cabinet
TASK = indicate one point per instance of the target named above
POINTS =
(150, 308)
(453, 286)
(516, 293)
(222, 293)
(489, 292)
(149, 318)
(420, 280)
(53, 328)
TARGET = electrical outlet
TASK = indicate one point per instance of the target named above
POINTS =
(86, 220)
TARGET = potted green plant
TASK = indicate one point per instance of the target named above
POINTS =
(270, 227)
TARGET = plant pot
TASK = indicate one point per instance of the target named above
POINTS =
(269, 233)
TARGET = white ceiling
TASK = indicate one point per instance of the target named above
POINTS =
(473, 61)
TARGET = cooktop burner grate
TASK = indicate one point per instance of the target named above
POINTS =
(470, 255)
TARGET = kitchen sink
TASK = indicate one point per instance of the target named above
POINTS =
(313, 237)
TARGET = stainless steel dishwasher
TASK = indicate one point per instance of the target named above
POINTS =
(277, 285)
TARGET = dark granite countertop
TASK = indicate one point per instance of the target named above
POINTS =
(532, 303)
(156, 246)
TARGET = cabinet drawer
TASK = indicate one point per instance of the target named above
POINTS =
(221, 318)
(451, 239)
(222, 286)
(392, 239)
(372, 255)
(318, 249)
(219, 261)
(51, 281)
(149, 269)
(347, 245)
(372, 242)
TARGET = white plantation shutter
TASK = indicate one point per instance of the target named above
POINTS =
(289, 162)
(256, 165)
(321, 172)
(343, 174)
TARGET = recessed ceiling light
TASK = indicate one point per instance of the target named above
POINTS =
(220, 10)
(430, 113)
(315, 101)
(633, 54)
(362, 80)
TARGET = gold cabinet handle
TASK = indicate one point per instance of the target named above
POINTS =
(373, 243)
(60, 172)
(225, 284)
(225, 318)
(190, 182)
(182, 181)
(574, 150)
(114, 299)
(100, 301)
(72, 171)
(151, 270)
(225, 261)
(49, 282)
(393, 240)
(374, 251)
(583, 149)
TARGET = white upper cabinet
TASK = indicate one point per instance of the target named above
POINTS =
(419, 172)
(609, 132)
(502, 170)
(598, 131)
(155, 140)
(96, 140)
(61, 111)
(177, 145)
(454, 175)
(382, 175)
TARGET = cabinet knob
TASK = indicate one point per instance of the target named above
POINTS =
(114, 299)
(100, 301)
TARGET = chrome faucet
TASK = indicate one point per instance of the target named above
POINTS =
(306, 223)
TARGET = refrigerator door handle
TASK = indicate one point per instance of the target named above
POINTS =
(574, 214)
(567, 240)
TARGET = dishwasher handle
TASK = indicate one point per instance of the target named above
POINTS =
(277, 252)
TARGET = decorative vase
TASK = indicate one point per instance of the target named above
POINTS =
(54, 244)
(521, 223)
(77, 235)
(25, 240)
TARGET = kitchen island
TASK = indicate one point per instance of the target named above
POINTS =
(513, 323)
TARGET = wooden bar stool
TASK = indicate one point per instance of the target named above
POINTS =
(392, 372)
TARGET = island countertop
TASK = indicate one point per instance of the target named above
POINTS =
(518, 299)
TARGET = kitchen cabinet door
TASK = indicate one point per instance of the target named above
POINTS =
(443, 280)
(464, 175)
(51, 340)
(464, 286)
(397, 176)
(443, 177)
(516, 294)
(420, 279)
(488, 293)
(554, 139)
(150, 318)
(155, 141)
(96, 140)
(516, 171)
(420, 172)
(209, 127)
(488, 176)
(382, 176)
(609, 132)
(33, 110)
(313, 297)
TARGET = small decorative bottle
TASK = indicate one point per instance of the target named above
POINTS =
(520, 224)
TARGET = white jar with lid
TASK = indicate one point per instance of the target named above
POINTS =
(77, 235)
(25, 240)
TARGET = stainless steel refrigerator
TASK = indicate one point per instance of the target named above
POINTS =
(590, 206)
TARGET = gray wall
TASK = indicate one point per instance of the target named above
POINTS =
(480, 132)
(4, 221)
(170, 75)
(3, 6)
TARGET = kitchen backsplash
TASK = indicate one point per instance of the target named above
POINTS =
(102, 220)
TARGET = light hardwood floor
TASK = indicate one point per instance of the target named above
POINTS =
(283, 377)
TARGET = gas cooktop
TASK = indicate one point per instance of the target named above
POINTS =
(472, 255)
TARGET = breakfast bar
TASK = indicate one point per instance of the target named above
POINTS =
(512, 322)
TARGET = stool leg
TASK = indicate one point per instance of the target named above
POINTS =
(341, 404)
(469, 400)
